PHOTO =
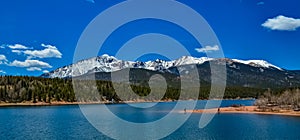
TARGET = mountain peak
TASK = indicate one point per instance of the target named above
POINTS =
(257, 63)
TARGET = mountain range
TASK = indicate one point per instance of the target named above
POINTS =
(250, 73)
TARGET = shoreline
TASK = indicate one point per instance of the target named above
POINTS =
(61, 103)
(223, 110)
(44, 104)
(54, 103)
(245, 110)
(24, 104)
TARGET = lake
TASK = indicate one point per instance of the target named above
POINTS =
(67, 122)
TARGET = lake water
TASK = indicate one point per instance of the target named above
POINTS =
(67, 122)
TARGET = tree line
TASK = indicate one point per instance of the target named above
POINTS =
(274, 100)
(17, 89)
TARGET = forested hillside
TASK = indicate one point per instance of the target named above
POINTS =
(22, 88)
(17, 89)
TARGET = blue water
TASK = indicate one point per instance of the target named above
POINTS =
(67, 122)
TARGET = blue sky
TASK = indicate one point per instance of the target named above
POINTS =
(41, 35)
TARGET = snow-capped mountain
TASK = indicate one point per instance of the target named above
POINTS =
(106, 63)
(257, 63)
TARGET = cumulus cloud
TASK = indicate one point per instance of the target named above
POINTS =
(33, 69)
(18, 46)
(3, 59)
(49, 52)
(16, 51)
(282, 23)
(208, 49)
(2, 47)
(3, 72)
(30, 64)
(45, 71)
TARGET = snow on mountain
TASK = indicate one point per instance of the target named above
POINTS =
(257, 63)
(106, 63)
(186, 60)
(102, 63)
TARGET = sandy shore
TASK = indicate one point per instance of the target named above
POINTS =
(246, 110)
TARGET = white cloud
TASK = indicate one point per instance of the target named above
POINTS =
(18, 46)
(3, 59)
(16, 51)
(45, 71)
(33, 69)
(30, 63)
(2, 47)
(49, 52)
(208, 49)
(282, 23)
(3, 72)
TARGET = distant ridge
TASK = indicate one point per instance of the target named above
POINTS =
(106, 63)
